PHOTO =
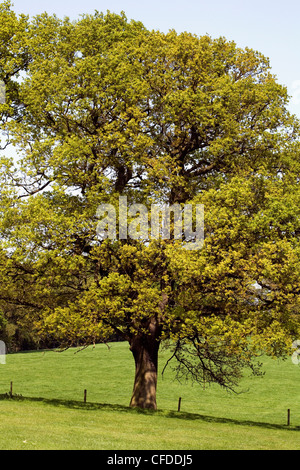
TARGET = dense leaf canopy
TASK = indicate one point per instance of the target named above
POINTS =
(102, 107)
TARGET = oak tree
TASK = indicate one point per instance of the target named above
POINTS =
(109, 109)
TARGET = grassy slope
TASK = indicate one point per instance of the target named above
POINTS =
(55, 416)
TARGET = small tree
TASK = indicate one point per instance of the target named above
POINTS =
(110, 109)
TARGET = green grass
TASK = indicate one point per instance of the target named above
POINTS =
(47, 411)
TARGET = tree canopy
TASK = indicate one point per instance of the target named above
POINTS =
(100, 108)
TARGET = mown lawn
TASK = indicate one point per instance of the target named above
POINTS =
(47, 411)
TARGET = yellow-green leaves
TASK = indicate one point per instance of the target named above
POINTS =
(106, 108)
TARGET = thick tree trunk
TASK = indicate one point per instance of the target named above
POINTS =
(145, 353)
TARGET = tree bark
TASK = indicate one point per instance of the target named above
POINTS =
(145, 352)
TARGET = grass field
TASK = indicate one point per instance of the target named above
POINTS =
(48, 412)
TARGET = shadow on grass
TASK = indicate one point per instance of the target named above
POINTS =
(89, 406)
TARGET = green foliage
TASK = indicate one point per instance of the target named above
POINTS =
(108, 108)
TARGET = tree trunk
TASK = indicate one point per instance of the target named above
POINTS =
(145, 352)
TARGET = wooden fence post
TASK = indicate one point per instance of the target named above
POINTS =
(179, 403)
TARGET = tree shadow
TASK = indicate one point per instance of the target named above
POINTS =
(90, 406)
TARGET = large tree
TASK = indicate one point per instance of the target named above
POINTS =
(110, 109)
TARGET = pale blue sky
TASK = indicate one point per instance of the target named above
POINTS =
(269, 26)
